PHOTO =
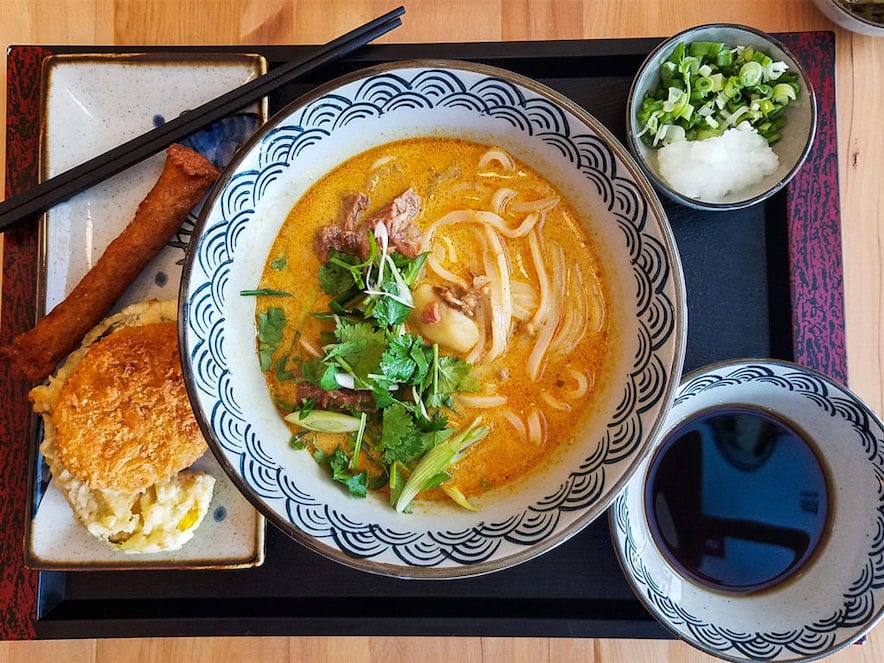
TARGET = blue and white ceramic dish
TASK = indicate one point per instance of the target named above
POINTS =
(838, 594)
(234, 235)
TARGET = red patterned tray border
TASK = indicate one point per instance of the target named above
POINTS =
(18, 584)
(814, 221)
(816, 283)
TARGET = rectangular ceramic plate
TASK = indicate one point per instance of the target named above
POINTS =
(92, 103)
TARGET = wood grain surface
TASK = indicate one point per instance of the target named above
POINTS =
(860, 90)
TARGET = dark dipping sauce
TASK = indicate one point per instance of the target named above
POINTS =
(737, 501)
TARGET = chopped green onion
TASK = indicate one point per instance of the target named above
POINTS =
(762, 59)
(702, 48)
(437, 460)
(733, 117)
(724, 58)
(459, 498)
(264, 292)
(325, 421)
(674, 133)
(668, 70)
(732, 87)
(357, 445)
(750, 74)
(766, 106)
(774, 70)
(703, 85)
(783, 93)
(706, 87)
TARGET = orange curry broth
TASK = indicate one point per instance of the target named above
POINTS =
(444, 174)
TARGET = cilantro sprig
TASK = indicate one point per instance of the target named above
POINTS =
(271, 326)
(337, 464)
(368, 350)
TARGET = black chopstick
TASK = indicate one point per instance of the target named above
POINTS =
(64, 185)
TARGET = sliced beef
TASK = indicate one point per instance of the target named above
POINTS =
(464, 300)
(342, 399)
(353, 206)
(350, 233)
(346, 236)
(353, 242)
(431, 314)
(398, 217)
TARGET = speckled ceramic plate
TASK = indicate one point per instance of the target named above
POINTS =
(90, 104)
(234, 234)
(837, 595)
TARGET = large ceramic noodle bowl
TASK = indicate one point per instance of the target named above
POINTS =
(432, 319)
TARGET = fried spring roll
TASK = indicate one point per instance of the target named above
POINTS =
(186, 177)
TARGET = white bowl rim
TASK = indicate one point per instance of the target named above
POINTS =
(850, 16)
(675, 367)
(659, 182)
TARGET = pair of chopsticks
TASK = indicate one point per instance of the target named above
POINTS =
(64, 185)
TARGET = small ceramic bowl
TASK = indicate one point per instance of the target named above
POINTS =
(851, 16)
(818, 507)
(791, 149)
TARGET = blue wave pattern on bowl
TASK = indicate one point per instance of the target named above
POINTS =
(858, 607)
(217, 142)
(387, 93)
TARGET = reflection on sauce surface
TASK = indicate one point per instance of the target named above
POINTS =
(737, 501)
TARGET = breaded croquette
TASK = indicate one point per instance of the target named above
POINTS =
(123, 420)
(118, 412)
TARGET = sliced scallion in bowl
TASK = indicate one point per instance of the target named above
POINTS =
(708, 87)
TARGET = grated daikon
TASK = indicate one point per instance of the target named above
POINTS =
(712, 168)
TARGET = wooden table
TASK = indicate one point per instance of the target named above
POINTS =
(860, 81)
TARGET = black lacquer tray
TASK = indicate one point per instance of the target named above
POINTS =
(761, 282)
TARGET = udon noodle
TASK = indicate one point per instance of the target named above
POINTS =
(512, 284)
